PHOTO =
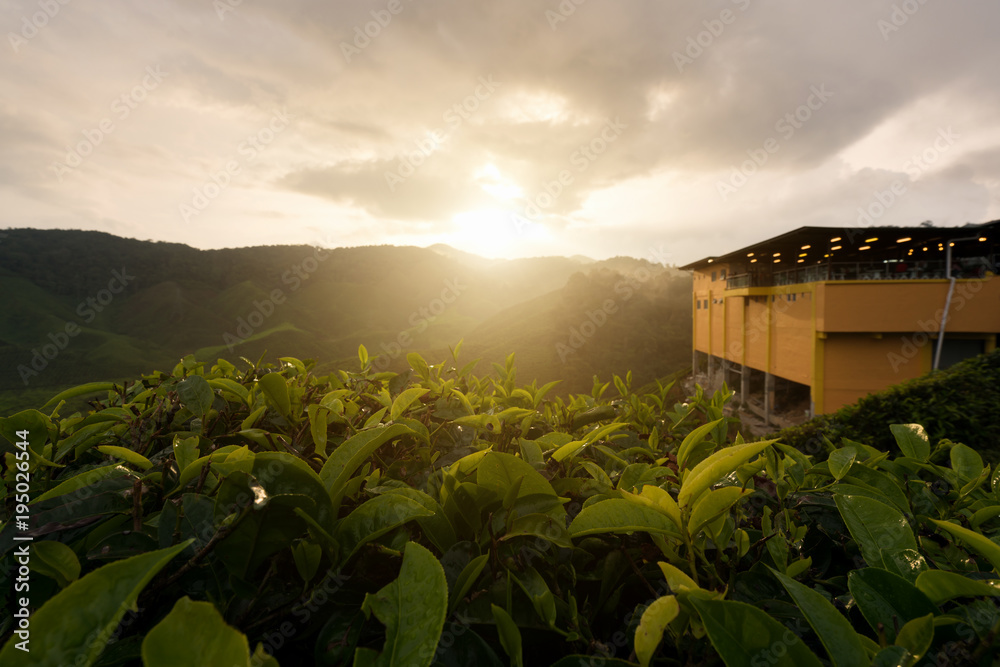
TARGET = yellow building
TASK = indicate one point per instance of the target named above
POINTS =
(816, 318)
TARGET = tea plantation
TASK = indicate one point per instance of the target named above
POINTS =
(264, 515)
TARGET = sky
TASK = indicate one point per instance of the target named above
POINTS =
(663, 130)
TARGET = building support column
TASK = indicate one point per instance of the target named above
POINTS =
(744, 386)
(711, 371)
(768, 397)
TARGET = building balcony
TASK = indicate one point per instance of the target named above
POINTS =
(962, 268)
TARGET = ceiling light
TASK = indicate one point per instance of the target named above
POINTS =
(806, 247)
(865, 247)
(904, 239)
(871, 240)
(836, 247)
(834, 240)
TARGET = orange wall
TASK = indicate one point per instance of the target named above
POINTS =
(858, 364)
(792, 337)
(707, 289)
(905, 306)
(756, 333)
(734, 329)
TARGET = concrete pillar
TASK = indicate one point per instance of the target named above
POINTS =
(768, 397)
(711, 371)
(744, 386)
(694, 361)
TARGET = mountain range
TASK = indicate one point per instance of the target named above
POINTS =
(80, 306)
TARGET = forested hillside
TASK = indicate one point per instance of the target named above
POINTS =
(80, 306)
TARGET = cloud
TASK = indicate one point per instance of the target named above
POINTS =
(697, 88)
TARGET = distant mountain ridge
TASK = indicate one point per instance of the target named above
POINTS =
(82, 306)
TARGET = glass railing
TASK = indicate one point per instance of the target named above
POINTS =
(963, 268)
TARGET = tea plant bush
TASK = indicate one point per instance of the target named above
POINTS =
(267, 515)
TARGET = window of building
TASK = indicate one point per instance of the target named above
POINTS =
(713, 276)
(722, 275)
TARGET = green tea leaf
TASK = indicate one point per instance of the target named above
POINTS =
(412, 608)
(887, 598)
(499, 471)
(916, 636)
(743, 635)
(126, 455)
(882, 533)
(713, 504)
(74, 626)
(715, 467)
(194, 633)
(941, 586)
(470, 573)
(654, 621)
(510, 635)
(186, 451)
(349, 456)
(318, 423)
(912, 440)
(375, 518)
(56, 561)
(538, 592)
(89, 388)
(966, 462)
(979, 543)
(275, 387)
(841, 460)
(84, 479)
(306, 556)
(618, 515)
(833, 629)
(405, 400)
(693, 438)
(196, 395)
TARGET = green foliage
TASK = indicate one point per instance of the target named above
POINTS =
(438, 518)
